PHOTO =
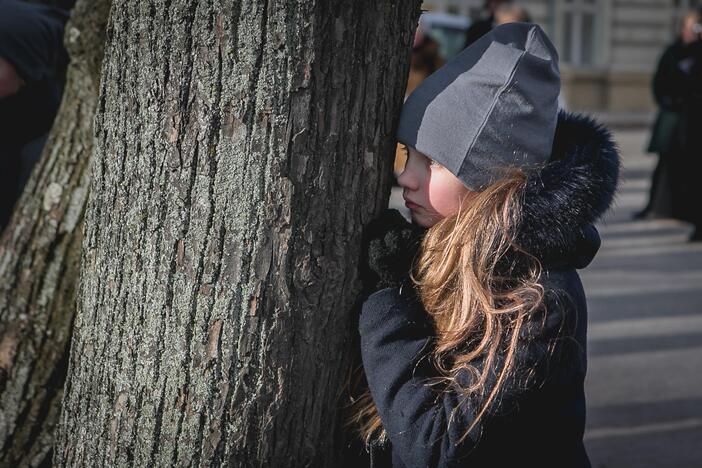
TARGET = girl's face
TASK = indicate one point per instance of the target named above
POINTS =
(431, 192)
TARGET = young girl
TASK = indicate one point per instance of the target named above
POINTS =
(474, 353)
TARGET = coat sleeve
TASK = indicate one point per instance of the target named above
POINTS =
(396, 335)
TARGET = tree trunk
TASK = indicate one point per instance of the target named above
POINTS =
(241, 147)
(39, 257)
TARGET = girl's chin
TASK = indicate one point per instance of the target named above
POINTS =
(422, 220)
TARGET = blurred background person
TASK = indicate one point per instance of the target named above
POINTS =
(509, 12)
(32, 68)
(483, 25)
(665, 133)
(685, 166)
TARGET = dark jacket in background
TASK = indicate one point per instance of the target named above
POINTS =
(31, 39)
(664, 131)
(478, 29)
(669, 101)
(540, 417)
(689, 171)
(681, 92)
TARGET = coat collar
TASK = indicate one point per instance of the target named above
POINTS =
(562, 201)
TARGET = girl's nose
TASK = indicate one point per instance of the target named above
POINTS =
(408, 179)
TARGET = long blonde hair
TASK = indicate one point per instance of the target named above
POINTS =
(478, 287)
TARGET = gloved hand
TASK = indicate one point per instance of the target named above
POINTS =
(389, 247)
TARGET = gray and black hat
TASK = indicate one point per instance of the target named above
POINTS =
(493, 106)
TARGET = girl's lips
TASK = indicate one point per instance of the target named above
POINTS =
(410, 205)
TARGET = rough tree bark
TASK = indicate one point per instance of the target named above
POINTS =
(39, 257)
(240, 148)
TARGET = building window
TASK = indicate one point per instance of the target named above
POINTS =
(579, 44)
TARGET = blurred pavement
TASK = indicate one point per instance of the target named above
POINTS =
(644, 290)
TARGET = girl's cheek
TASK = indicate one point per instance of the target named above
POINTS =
(439, 206)
(445, 192)
(438, 198)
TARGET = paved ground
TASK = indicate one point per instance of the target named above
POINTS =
(644, 289)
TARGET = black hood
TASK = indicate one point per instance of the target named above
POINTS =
(563, 201)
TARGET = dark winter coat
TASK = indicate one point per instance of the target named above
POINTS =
(478, 29)
(687, 182)
(670, 103)
(683, 90)
(539, 420)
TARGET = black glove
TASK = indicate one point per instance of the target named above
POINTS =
(389, 247)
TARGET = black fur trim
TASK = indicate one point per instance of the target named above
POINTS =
(572, 191)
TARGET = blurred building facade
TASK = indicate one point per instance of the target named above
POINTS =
(608, 48)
